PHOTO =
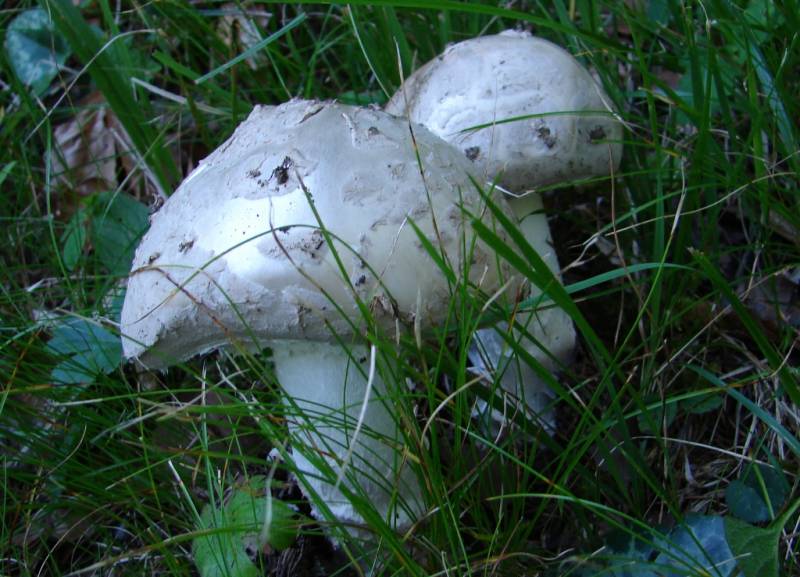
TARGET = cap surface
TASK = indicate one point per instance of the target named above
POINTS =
(491, 79)
(237, 254)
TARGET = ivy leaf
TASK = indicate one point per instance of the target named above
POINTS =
(629, 556)
(697, 545)
(756, 549)
(762, 18)
(35, 50)
(774, 482)
(745, 503)
(234, 530)
(118, 222)
(761, 489)
(73, 240)
(89, 350)
(659, 11)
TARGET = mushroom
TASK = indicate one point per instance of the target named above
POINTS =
(527, 114)
(296, 234)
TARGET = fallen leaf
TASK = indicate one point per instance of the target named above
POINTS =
(85, 148)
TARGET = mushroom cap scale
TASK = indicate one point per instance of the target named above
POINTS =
(494, 79)
(237, 253)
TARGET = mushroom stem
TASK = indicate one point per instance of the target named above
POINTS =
(552, 327)
(334, 438)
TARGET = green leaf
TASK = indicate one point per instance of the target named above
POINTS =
(745, 503)
(73, 240)
(760, 492)
(756, 549)
(653, 418)
(702, 404)
(762, 17)
(34, 49)
(90, 350)
(6, 170)
(233, 532)
(118, 222)
(774, 483)
(698, 547)
(659, 11)
(628, 555)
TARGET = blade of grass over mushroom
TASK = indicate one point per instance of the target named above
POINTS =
(538, 272)
(531, 265)
(115, 87)
(521, 117)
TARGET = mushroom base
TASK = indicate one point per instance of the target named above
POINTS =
(325, 387)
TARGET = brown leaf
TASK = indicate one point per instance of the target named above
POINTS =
(84, 149)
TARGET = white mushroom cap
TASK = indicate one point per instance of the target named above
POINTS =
(495, 78)
(236, 253)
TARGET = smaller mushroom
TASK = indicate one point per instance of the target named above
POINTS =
(526, 114)
(521, 108)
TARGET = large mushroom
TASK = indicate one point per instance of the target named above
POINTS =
(297, 234)
(527, 114)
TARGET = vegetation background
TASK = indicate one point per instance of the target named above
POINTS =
(676, 447)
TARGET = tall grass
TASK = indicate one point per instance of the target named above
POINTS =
(679, 274)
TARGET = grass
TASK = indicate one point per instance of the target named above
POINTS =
(680, 273)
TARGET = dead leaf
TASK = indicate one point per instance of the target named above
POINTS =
(84, 149)
(93, 153)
